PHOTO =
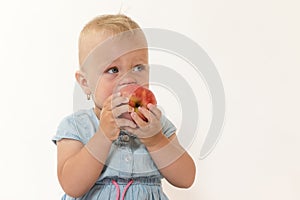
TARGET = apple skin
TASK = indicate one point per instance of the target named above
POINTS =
(138, 96)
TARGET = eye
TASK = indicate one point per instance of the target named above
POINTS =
(112, 70)
(138, 68)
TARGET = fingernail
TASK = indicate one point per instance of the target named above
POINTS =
(140, 108)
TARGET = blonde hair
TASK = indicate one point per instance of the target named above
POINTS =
(105, 24)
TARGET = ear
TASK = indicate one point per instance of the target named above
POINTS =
(83, 82)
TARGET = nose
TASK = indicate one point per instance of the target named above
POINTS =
(126, 79)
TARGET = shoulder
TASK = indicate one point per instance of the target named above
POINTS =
(81, 118)
(80, 125)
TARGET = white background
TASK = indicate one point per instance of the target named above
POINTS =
(254, 44)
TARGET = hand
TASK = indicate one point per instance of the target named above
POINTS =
(110, 123)
(148, 132)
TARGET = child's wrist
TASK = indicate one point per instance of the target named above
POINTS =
(155, 142)
(111, 135)
(99, 146)
(166, 152)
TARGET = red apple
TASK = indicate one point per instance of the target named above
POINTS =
(138, 96)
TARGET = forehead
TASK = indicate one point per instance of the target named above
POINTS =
(89, 41)
(102, 48)
(139, 55)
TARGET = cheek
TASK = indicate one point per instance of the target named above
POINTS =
(143, 79)
(102, 92)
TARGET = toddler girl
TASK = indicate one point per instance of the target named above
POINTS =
(103, 155)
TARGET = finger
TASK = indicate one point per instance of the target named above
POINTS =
(123, 123)
(138, 120)
(146, 113)
(108, 101)
(155, 110)
(131, 130)
(118, 111)
(113, 96)
(119, 100)
(117, 94)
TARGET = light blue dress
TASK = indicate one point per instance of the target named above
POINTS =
(128, 160)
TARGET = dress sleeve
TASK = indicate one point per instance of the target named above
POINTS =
(168, 127)
(67, 129)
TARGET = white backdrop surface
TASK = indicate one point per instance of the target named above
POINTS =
(255, 46)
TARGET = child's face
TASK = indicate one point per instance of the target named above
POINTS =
(131, 68)
(113, 65)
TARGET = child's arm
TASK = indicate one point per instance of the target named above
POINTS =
(79, 166)
(174, 163)
(77, 169)
(172, 160)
